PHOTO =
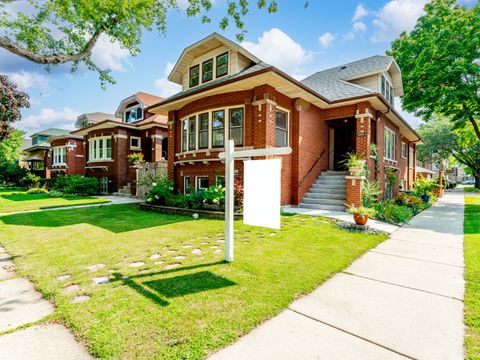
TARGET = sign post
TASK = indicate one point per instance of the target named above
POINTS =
(229, 155)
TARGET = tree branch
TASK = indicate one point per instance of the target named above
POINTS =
(9, 45)
(475, 126)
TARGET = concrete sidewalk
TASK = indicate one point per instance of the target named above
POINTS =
(401, 300)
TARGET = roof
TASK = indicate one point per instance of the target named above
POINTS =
(159, 120)
(67, 136)
(51, 132)
(333, 83)
(94, 118)
(420, 169)
(141, 97)
(202, 46)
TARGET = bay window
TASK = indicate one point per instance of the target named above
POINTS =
(192, 133)
(281, 128)
(184, 135)
(218, 127)
(100, 149)
(389, 145)
(59, 155)
(203, 131)
(236, 125)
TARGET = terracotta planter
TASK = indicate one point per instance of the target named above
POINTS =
(360, 219)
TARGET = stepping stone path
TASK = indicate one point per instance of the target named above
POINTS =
(204, 243)
(159, 262)
(7, 267)
(172, 266)
(96, 267)
(197, 252)
(172, 251)
(71, 288)
(63, 277)
(101, 280)
(187, 246)
(80, 299)
(214, 246)
(217, 251)
(179, 257)
(221, 241)
(155, 256)
(137, 264)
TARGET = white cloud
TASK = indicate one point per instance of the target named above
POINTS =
(277, 48)
(359, 26)
(46, 118)
(395, 17)
(326, 39)
(166, 87)
(26, 80)
(108, 54)
(360, 12)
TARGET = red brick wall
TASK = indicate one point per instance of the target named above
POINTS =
(75, 158)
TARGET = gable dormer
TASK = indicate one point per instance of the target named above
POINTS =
(212, 58)
(132, 108)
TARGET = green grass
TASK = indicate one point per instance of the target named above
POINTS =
(184, 313)
(471, 189)
(13, 201)
(472, 277)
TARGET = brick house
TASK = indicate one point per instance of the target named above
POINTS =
(228, 93)
(109, 139)
(66, 155)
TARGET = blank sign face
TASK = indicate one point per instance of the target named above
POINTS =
(261, 198)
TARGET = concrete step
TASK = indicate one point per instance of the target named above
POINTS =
(340, 202)
(329, 186)
(324, 195)
(329, 182)
(119, 194)
(326, 191)
(322, 207)
(331, 177)
(331, 172)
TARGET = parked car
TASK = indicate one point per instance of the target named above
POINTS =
(468, 182)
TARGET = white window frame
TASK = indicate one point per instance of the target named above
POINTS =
(214, 75)
(131, 108)
(139, 147)
(219, 177)
(197, 188)
(386, 152)
(59, 153)
(185, 178)
(388, 94)
(92, 155)
(226, 128)
(288, 124)
(411, 155)
(404, 150)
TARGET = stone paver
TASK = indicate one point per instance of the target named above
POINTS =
(21, 304)
(101, 280)
(7, 267)
(96, 267)
(403, 298)
(52, 342)
(137, 264)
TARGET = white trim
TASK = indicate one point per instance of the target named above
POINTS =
(404, 144)
(139, 147)
(100, 140)
(288, 125)
(387, 129)
(59, 152)
(124, 115)
(184, 185)
(196, 182)
(198, 61)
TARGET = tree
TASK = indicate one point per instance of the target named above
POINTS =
(61, 31)
(440, 64)
(11, 101)
(11, 146)
(442, 141)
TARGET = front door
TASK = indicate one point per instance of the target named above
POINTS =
(342, 141)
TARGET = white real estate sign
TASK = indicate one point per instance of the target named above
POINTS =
(261, 202)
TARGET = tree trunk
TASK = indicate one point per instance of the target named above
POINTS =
(477, 180)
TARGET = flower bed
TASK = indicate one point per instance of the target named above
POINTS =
(188, 212)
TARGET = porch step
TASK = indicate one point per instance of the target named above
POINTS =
(325, 195)
(323, 207)
(317, 201)
(119, 194)
(328, 192)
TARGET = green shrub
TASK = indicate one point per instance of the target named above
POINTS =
(370, 193)
(56, 194)
(76, 185)
(37, 190)
(214, 195)
(162, 192)
(12, 173)
(31, 180)
(392, 213)
(424, 186)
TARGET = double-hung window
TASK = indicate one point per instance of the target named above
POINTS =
(184, 135)
(281, 128)
(404, 150)
(203, 131)
(410, 158)
(100, 149)
(201, 183)
(187, 186)
(59, 155)
(192, 133)
(386, 89)
(194, 75)
(236, 125)
(218, 126)
(389, 145)
(222, 65)
(207, 70)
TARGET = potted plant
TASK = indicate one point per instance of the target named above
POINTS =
(354, 163)
(361, 214)
(136, 159)
(423, 188)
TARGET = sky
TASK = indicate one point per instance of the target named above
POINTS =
(297, 40)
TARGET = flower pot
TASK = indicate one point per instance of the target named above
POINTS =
(355, 170)
(425, 198)
(360, 219)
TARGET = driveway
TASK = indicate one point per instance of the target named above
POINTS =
(401, 300)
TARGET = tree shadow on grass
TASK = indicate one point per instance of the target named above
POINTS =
(114, 218)
(166, 288)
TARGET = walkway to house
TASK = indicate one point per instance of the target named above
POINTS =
(401, 300)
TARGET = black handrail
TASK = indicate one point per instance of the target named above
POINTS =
(311, 168)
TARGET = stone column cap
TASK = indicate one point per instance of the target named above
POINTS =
(354, 177)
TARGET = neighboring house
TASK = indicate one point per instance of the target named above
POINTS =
(228, 93)
(66, 155)
(36, 156)
(424, 172)
(109, 139)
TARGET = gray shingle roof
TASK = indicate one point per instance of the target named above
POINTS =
(52, 132)
(331, 82)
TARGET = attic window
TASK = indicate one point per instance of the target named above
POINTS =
(386, 89)
(207, 70)
(194, 75)
(222, 65)
(133, 114)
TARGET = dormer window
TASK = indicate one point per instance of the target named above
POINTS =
(133, 114)
(207, 70)
(387, 89)
(222, 65)
(194, 75)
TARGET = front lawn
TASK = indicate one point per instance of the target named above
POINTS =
(169, 294)
(472, 277)
(471, 189)
(13, 201)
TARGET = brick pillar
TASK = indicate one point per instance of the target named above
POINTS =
(122, 166)
(157, 151)
(172, 123)
(363, 132)
(354, 190)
